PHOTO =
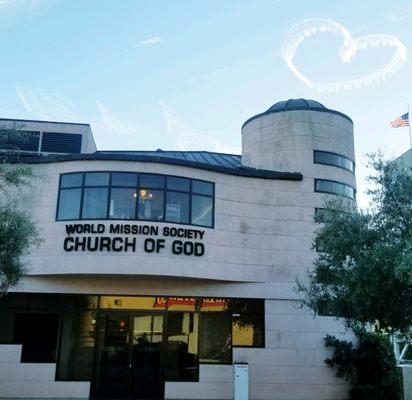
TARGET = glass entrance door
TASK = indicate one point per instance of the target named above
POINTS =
(147, 380)
(129, 356)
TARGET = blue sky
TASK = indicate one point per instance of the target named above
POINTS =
(187, 74)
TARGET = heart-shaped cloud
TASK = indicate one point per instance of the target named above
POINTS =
(308, 27)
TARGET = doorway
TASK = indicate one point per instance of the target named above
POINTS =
(129, 355)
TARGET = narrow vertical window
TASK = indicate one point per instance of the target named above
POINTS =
(248, 325)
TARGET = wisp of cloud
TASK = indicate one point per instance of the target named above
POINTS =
(151, 41)
(186, 139)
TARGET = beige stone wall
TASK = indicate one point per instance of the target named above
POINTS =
(285, 141)
(407, 382)
(263, 230)
(33, 380)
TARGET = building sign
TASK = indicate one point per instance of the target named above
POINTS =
(206, 304)
(131, 237)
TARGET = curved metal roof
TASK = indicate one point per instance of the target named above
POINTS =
(218, 162)
(296, 104)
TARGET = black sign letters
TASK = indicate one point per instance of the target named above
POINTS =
(79, 239)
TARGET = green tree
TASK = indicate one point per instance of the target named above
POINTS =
(371, 367)
(18, 232)
(363, 271)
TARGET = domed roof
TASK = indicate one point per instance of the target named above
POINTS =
(296, 104)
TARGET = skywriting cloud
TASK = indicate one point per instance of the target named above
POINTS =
(351, 45)
(46, 105)
(151, 41)
(111, 121)
(187, 139)
(15, 6)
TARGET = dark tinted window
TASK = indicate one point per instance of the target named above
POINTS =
(152, 181)
(181, 353)
(61, 142)
(42, 301)
(131, 196)
(81, 302)
(248, 324)
(14, 300)
(337, 160)
(247, 306)
(122, 203)
(332, 187)
(40, 342)
(202, 187)
(96, 179)
(12, 326)
(202, 210)
(124, 179)
(71, 180)
(69, 204)
(151, 204)
(180, 184)
(323, 214)
(215, 338)
(77, 345)
(35, 301)
(95, 203)
(177, 207)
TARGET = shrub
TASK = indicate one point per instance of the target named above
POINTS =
(371, 367)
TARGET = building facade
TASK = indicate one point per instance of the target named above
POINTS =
(405, 159)
(159, 270)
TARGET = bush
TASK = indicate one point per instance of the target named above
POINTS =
(371, 367)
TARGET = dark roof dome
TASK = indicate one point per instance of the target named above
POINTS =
(296, 104)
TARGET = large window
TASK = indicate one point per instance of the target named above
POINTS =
(333, 187)
(336, 160)
(64, 329)
(133, 196)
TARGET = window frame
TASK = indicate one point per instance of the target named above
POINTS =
(228, 314)
(166, 335)
(239, 314)
(66, 309)
(334, 165)
(334, 193)
(109, 186)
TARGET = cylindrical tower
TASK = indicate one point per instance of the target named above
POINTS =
(304, 136)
